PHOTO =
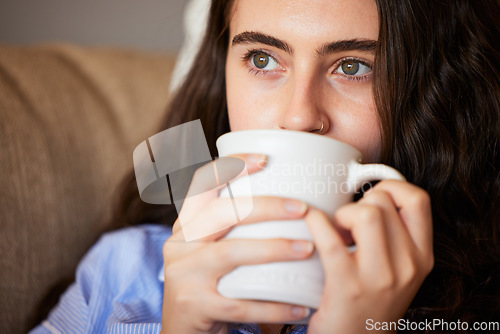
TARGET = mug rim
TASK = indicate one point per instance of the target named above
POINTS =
(293, 133)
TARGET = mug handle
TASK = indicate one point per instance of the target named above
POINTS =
(360, 174)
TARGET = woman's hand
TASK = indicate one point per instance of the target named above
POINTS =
(191, 302)
(392, 228)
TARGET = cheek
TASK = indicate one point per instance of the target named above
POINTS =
(370, 144)
(364, 134)
(239, 108)
(249, 106)
(355, 121)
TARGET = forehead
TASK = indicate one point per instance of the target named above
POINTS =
(307, 20)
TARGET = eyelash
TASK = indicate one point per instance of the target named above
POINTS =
(252, 70)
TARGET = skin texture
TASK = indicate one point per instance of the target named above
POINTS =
(304, 88)
(391, 225)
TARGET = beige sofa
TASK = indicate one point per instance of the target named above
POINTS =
(70, 118)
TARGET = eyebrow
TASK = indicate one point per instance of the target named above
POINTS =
(367, 45)
(249, 37)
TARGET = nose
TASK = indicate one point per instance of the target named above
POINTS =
(301, 107)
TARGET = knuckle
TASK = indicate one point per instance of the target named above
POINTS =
(166, 247)
(269, 207)
(370, 214)
(172, 271)
(236, 310)
(320, 214)
(420, 198)
(185, 301)
(429, 263)
(387, 281)
(200, 171)
(338, 214)
(335, 249)
(271, 250)
(216, 210)
(176, 226)
(224, 252)
(212, 207)
(376, 196)
(355, 290)
(343, 211)
(168, 250)
(411, 272)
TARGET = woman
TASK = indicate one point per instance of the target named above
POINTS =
(411, 84)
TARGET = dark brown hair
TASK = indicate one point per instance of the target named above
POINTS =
(437, 85)
(437, 89)
(201, 96)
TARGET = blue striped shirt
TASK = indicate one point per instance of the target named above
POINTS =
(119, 288)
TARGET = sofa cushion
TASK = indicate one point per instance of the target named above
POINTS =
(70, 118)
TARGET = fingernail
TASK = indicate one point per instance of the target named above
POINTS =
(295, 206)
(259, 160)
(300, 312)
(302, 246)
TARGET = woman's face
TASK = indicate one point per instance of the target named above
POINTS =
(292, 64)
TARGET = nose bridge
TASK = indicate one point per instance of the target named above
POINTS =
(302, 112)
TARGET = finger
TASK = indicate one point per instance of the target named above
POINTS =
(218, 218)
(330, 246)
(214, 220)
(367, 225)
(402, 250)
(176, 248)
(397, 233)
(176, 229)
(253, 162)
(250, 311)
(261, 208)
(414, 209)
(211, 178)
(223, 170)
(219, 258)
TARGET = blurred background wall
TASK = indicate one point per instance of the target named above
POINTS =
(145, 24)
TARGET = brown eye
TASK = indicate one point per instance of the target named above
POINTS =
(260, 60)
(263, 62)
(350, 67)
(353, 67)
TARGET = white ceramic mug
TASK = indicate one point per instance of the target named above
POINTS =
(321, 171)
